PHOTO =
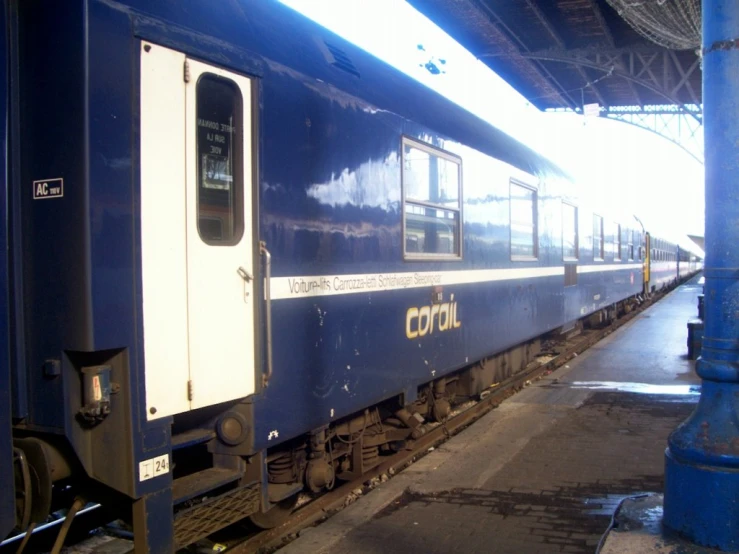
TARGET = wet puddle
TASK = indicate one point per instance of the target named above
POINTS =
(639, 388)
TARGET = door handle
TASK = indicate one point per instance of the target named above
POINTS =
(267, 375)
(244, 274)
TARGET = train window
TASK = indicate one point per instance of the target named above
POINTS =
(220, 161)
(569, 232)
(432, 195)
(623, 242)
(631, 244)
(617, 244)
(598, 246)
(524, 239)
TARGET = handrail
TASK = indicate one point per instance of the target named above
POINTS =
(266, 376)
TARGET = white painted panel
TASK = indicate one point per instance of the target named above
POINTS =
(221, 304)
(303, 286)
(163, 247)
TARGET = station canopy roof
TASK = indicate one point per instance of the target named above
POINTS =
(563, 54)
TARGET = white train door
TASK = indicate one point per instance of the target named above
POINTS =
(220, 278)
(196, 233)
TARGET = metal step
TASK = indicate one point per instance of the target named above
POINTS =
(196, 522)
(191, 438)
(190, 486)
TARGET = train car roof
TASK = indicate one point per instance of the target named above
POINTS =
(280, 34)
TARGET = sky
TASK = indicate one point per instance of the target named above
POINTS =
(615, 164)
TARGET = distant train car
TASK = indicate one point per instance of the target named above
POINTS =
(249, 259)
(663, 263)
(689, 262)
(668, 263)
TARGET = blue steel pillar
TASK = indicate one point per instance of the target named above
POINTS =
(702, 458)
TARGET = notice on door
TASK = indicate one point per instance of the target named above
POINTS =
(214, 146)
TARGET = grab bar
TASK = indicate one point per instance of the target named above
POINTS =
(266, 376)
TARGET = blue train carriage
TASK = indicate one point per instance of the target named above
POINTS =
(610, 266)
(241, 242)
(7, 485)
(689, 259)
(663, 263)
(670, 261)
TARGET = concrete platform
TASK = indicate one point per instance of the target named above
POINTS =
(546, 470)
(637, 529)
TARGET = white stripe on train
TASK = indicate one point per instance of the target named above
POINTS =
(331, 285)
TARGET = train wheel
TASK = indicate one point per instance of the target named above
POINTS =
(276, 515)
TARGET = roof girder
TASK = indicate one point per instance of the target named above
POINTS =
(545, 76)
(561, 44)
(640, 68)
(612, 44)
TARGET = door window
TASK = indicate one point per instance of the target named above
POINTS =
(220, 191)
